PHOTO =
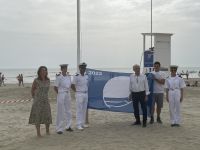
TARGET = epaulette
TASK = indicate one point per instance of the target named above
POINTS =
(57, 75)
(77, 74)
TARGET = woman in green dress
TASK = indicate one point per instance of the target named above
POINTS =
(41, 110)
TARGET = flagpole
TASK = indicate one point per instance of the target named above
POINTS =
(78, 35)
(151, 25)
(79, 45)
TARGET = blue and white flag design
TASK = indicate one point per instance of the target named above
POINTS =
(110, 91)
(148, 58)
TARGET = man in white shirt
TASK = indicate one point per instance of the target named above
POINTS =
(158, 92)
(80, 86)
(62, 88)
(174, 95)
(139, 92)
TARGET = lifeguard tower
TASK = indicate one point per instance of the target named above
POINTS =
(160, 51)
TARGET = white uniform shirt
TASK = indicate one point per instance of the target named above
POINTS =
(173, 83)
(138, 83)
(63, 83)
(157, 87)
(81, 83)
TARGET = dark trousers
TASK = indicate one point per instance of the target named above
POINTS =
(139, 97)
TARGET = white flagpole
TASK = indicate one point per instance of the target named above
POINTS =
(151, 24)
(79, 44)
(78, 35)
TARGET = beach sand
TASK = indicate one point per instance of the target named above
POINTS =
(108, 130)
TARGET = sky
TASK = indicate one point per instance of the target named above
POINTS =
(43, 32)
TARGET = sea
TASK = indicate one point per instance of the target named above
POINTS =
(30, 74)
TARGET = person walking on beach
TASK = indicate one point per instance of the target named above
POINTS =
(41, 110)
(62, 88)
(158, 92)
(80, 86)
(174, 95)
(139, 91)
(0, 79)
(18, 78)
(22, 80)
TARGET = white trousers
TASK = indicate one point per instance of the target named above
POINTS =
(81, 108)
(63, 111)
(174, 106)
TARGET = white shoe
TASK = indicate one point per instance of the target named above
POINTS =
(85, 126)
(80, 128)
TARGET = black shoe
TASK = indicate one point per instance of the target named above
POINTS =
(159, 120)
(177, 125)
(144, 125)
(173, 125)
(137, 123)
(69, 129)
(152, 120)
(59, 132)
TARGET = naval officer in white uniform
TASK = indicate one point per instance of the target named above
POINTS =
(80, 86)
(62, 88)
(174, 95)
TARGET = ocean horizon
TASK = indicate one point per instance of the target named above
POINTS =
(31, 73)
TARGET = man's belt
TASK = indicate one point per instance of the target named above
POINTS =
(174, 89)
(81, 91)
(63, 91)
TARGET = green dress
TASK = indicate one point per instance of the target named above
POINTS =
(41, 110)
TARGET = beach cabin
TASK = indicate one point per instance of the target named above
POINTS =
(160, 51)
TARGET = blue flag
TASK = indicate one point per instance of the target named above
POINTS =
(110, 91)
(148, 58)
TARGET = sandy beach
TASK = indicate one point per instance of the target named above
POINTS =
(108, 130)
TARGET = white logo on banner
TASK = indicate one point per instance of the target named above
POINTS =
(116, 92)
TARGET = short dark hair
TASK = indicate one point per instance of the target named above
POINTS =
(157, 63)
(62, 67)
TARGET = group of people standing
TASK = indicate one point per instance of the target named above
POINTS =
(139, 92)
(41, 111)
(20, 79)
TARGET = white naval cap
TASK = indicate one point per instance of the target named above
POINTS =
(83, 64)
(63, 65)
(173, 66)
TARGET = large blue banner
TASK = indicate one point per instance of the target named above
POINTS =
(110, 91)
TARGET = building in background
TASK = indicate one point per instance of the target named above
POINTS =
(160, 50)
